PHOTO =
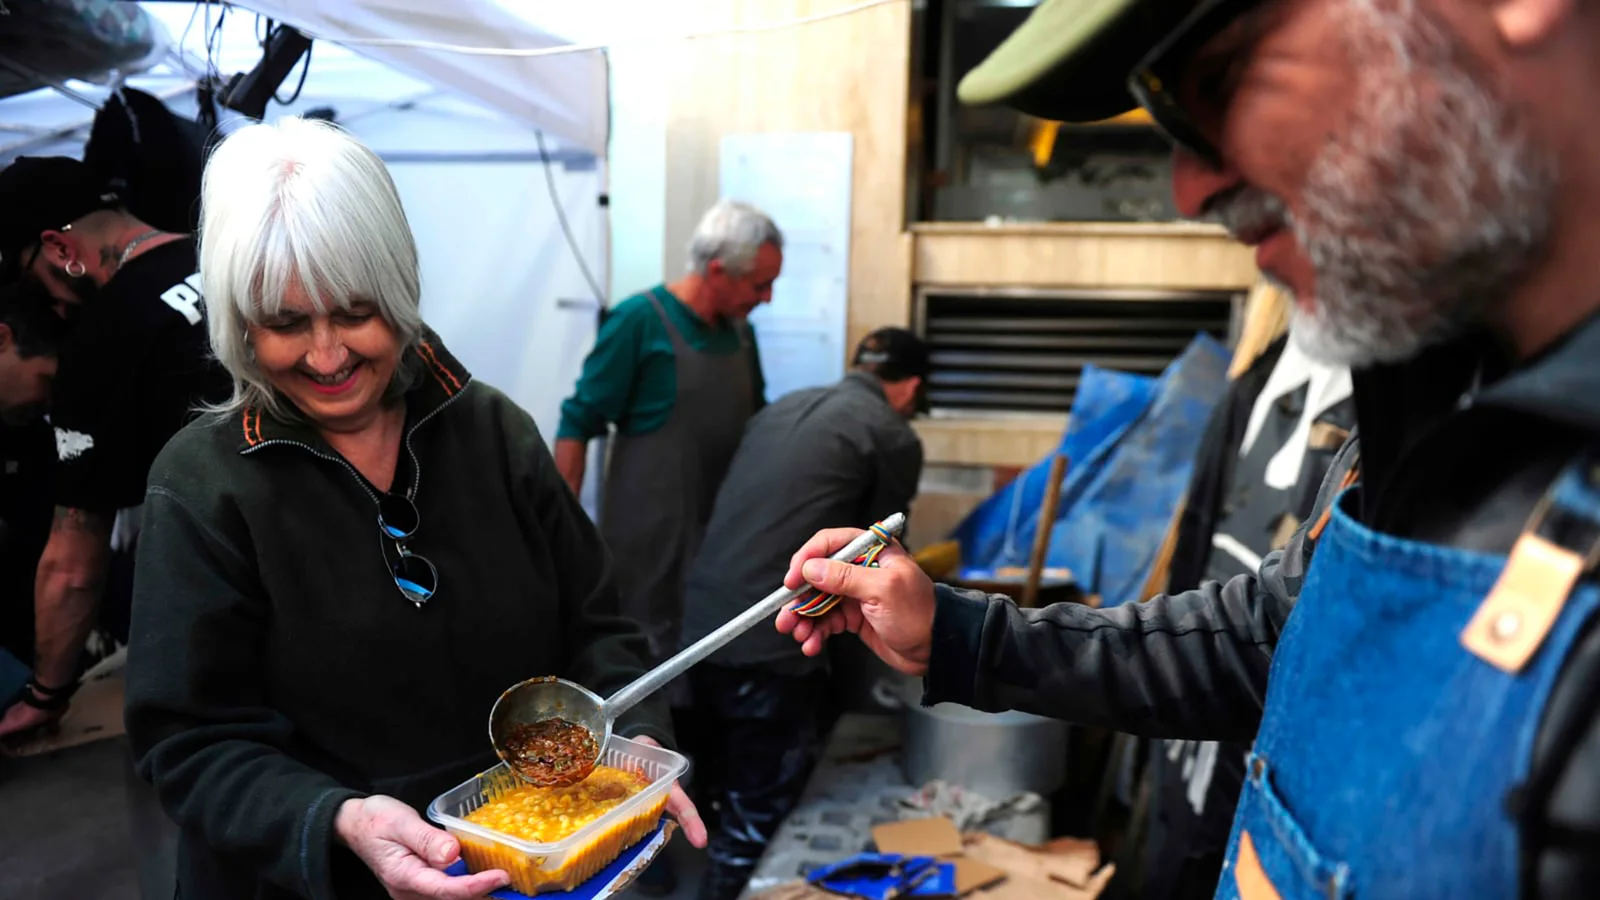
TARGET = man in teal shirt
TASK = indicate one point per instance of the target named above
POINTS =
(675, 369)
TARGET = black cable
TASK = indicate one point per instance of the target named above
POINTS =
(305, 66)
(214, 39)
(561, 216)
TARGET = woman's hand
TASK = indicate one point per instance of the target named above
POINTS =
(407, 853)
(680, 807)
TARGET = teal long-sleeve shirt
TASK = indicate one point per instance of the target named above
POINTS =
(630, 378)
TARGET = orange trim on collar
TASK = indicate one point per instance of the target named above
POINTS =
(440, 372)
(1349, 479)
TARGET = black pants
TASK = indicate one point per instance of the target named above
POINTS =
(760, 735)
(1184, 850)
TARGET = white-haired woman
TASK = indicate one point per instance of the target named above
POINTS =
(344, 566)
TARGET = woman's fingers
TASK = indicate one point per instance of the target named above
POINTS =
(683, 809)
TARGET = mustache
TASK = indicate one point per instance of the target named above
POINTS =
(1248, 213)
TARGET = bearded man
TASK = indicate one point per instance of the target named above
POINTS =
(1420, 175)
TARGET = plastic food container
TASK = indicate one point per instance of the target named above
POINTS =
(561, 865)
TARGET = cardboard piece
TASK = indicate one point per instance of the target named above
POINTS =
(935, 836)
(1065, 861)
(1022, 888)
(1063, 869)
(972, 874)
(991, 868)
(986, 867)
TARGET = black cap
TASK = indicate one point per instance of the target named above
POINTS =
(895, 354)
(44, 193)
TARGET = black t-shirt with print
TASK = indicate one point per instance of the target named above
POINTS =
(27, 467)
(136, 367)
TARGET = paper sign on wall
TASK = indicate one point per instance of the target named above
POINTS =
(803, 182)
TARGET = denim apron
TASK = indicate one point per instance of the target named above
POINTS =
(1388, 749)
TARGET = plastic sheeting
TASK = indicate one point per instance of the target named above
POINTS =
(1131, 443)
(510, 301)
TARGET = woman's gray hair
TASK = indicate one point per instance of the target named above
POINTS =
(731, 232)
(300, 202)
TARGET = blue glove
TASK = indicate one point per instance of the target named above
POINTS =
(886, 876)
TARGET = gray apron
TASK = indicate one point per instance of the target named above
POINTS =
(660, 486)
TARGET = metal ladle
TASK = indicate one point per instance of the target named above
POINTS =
(548, 697)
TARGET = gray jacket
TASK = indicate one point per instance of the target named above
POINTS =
(817, 458)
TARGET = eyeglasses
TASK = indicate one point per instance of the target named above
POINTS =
(38, 248)
(1154, 80)
(416, 578)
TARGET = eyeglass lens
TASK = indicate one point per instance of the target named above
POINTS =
(414, 575)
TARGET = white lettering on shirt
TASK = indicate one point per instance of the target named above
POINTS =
(72, 444)
(185, 298)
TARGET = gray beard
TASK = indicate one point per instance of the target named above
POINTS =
(1428, 211)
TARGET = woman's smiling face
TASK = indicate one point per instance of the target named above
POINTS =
(334, 366)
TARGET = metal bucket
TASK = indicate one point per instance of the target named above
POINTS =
(998, 755)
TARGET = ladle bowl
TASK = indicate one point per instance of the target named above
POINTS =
(548, 697)
(543, 698)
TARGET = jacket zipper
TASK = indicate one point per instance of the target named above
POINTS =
(416, 466)
(320, 455)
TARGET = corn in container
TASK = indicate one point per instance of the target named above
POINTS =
(561, 865)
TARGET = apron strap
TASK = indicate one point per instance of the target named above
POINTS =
(1558, 545)
(1527, 802)
(673, 334)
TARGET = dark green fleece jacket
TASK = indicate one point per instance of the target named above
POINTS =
(274, 668)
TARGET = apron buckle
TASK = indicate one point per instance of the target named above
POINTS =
(1544, 566)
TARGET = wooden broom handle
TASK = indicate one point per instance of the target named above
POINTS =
(1041, 532)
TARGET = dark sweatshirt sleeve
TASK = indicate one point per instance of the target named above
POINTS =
(1191, 665)
(608, 650)
(200, 726)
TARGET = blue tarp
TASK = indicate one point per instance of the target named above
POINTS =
(1131, 443)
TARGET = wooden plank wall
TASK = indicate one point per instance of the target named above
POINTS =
(849, 73)
(1165, 255)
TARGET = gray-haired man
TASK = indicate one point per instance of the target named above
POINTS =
(675, 369)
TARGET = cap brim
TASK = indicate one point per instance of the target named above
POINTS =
(1069, 61)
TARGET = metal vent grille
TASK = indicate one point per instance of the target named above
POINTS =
(1025, 351)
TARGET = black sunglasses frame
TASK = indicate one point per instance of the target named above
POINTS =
(1152, 82)
(398, 521)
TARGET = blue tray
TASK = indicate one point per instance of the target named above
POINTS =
(604, 883)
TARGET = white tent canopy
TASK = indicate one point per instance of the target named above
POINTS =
(502, 283)
(563, 94)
